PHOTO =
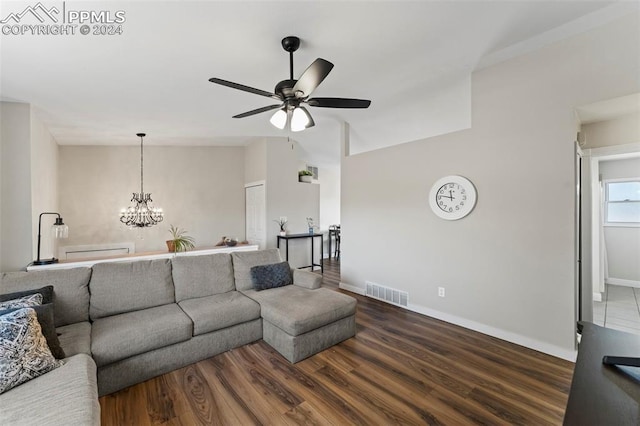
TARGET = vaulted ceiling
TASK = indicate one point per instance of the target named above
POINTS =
(407, 57)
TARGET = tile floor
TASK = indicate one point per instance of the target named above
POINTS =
(619, 309)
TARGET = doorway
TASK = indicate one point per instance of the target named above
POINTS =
(255, 214)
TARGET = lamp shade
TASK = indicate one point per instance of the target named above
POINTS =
(301, 119)
(59, 229)
(279, 119)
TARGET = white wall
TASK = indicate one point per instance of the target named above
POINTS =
(200, 189)
(619, 131)
(44, 186)
(329, 181)
(622, 242)
(508, 268)
(15, 191)
(288, 197)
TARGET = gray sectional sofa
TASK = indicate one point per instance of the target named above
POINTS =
(122, 323)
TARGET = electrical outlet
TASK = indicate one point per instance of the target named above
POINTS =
(283, 218)
(441, 291)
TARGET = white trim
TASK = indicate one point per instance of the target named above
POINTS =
(351, 288)
(256, 183)
(89, 248)
(597, 296)
(614, 152)
(509, 336)
(623, 282)
(133, 258)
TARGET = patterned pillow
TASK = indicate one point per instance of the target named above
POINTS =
(46, 292)
(47, 324)
(271, 276)
(24, 354)
(22, 302)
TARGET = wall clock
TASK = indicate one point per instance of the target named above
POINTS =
(452, 197)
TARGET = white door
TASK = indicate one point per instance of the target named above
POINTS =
(255, 215)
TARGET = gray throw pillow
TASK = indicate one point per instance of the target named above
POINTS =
(271, 276)
(47, 324)
(46, 292)
(24, 354)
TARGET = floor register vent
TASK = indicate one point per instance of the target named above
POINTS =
(387, 294)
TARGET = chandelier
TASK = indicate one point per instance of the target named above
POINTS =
(141, 213)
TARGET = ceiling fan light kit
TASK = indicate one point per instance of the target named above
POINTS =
(292, 93)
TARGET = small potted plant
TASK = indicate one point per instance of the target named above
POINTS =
(305, 176)
(311, 226)
(282, 222)
(180, 241)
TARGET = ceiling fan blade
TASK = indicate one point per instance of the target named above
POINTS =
(311, 123)
(312, 77)
(257, 111)
(244, 88)
(339, 103)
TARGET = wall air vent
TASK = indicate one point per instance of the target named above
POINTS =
(387, 294)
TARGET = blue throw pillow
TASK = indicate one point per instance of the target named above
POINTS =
(271, 276)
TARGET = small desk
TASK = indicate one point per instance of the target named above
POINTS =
(603, 394)
(286, 238)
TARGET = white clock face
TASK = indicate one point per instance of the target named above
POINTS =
(452, 197)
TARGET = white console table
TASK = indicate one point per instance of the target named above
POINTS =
(66, 264)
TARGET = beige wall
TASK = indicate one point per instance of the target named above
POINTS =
(619, 131)
(255, 161)
(200, 189)
(288, 197)
(15, 190)
(44, 186)
(508, 267)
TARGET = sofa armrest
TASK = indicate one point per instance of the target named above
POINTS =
(306, 279)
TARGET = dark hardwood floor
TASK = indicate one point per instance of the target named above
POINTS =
(401, 368)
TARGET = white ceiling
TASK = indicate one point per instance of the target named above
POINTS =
(103, 89)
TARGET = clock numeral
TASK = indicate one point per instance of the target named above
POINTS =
(450, 209)
(441, 203)
(462, 203)
(457, 207)
(464, 197)
(462, 191)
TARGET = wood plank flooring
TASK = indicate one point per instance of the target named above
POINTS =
(401, 368)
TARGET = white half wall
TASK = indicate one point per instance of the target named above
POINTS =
(510, 264)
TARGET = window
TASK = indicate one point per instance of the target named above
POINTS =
(622, 202)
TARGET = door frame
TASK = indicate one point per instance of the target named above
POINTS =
(264, 225)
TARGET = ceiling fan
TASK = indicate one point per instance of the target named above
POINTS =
(293, 93)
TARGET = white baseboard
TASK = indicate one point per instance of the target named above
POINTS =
(622, 282)
(597, 296)
(518, 339)
(352, 288)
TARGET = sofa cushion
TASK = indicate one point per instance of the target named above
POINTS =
(297, 310)
(243, 261)
(212, 313)
(65, 396)
(75, 338)
(274, 275)
(119, 287)
(122, 336)
(23, 349)
(200, 276)
(44, 314)
(70, 291)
